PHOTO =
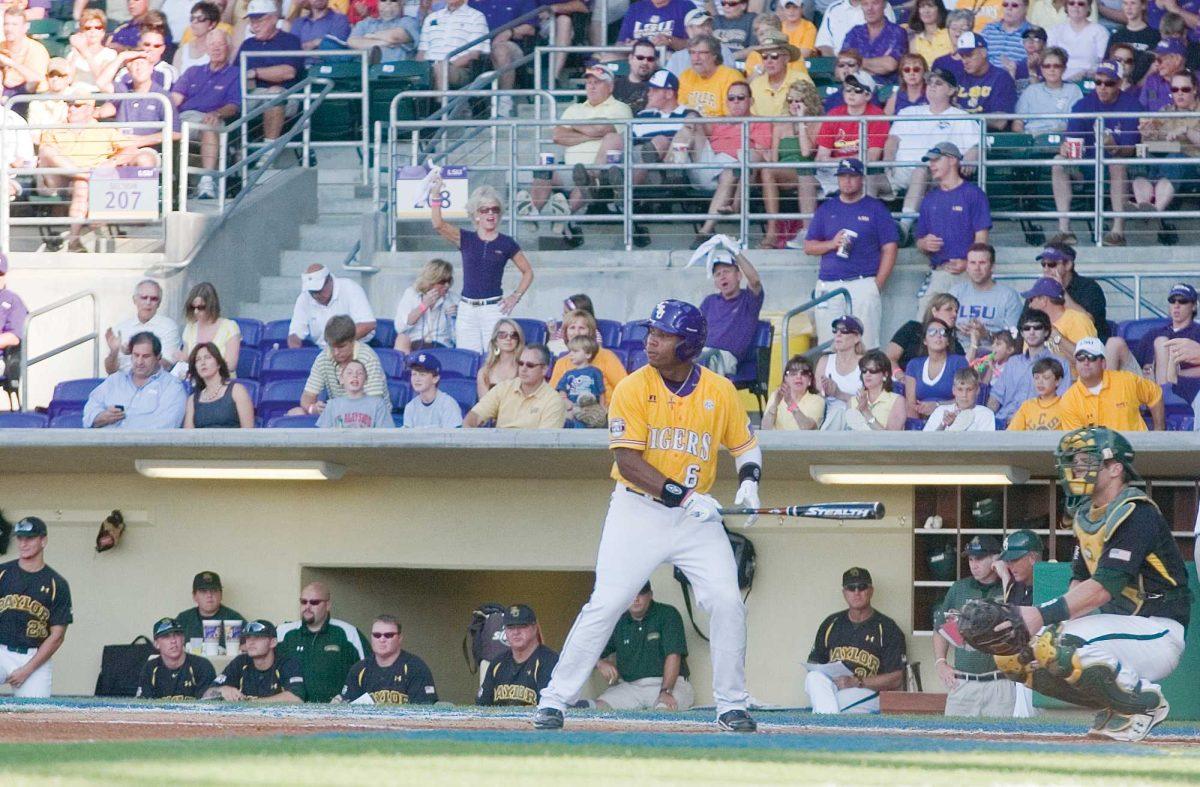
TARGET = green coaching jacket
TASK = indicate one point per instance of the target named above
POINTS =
(325, 656)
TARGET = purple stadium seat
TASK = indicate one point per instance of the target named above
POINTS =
(400, 393)
(633, 335)
(392, 362)
(1178, 422)
(72, 420)
(462, 390)
(1173, 403)
(18, 420)
(914, 424)
(534, 330)
(275, 333)
(385, 334)
(71, 395)
(746, 376)
(252, 331)
(279, 396)
(249, 364)
(636, 360)
(286, 363)
(984, 391)
(1001, 424)
(252, 388)
(622, 356)
(292, 422)
(456, 362)
(1132, 332)
(610, 333)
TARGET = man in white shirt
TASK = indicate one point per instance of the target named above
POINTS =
(445, 31)
(147, 298)
(18, 147)
(324, 296)
(937, 121)
(839, 18)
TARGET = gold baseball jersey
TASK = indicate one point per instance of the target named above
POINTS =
(678, 434)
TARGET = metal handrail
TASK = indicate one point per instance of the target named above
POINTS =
(444, 63)
(94, 335)
(840, 292)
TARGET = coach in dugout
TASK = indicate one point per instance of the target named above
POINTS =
(869, 645)
(325, 647)
(519, 677)
(976, 687)
(390, 675)
(645, 660)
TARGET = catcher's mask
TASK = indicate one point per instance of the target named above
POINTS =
(1082, 453)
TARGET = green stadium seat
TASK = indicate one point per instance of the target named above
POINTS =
(42, 29)
(821, 67)
(338, 118)
(390, 79)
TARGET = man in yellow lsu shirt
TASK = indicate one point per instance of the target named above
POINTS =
(1104, 397)
(666, 423)
(702, 87)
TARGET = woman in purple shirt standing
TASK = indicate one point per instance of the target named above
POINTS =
(485, 253)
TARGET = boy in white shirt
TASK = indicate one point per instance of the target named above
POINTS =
(430, 408)
(964, 415)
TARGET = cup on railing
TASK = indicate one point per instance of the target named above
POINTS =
(1073, 147)
(1140, 150)
(546, 159)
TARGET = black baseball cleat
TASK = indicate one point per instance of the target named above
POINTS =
(733, 721)
(548, 719)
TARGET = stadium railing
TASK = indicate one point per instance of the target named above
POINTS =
(1015, 170)
(790, 314)
(343, 92)
(55, 309)
(130, 199)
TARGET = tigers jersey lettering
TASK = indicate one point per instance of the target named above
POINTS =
(678, 435)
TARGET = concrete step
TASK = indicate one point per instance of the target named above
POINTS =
(330, 235)
(284, 289)
(341, 204)
(293, 262)
(338, 175)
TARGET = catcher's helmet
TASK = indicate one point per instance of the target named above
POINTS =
(1078, 478)
(685, 321)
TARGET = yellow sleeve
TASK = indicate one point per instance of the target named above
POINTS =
(487, 408)
(554, 414)
(611, 369)
(560, 368)
(813, 407)
(737, 438)
(627, 416)
(804, 36)
(1072, 417)
(753, 60)
(1019, 422)
(1148, 392)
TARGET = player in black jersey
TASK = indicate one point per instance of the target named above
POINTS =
(35, 610)
(258, 674)
(173, 674)
(389, 675)
(519, 677)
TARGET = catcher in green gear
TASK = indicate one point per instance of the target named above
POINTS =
(1127, 568)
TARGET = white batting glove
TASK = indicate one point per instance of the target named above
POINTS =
(747, 497)
(702, 507)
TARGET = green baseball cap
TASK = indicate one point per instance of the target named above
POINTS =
(1021, 543)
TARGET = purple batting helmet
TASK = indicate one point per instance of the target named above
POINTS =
(685, 321)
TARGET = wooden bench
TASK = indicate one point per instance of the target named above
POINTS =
(912, 702)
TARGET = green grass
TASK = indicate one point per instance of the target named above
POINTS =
(526, 759)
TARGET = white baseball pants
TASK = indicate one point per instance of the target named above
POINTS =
(639, 534)
(37, 684)
(826, 697)
(1146, 648)
(474, 325)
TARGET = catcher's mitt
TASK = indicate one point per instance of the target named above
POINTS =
(993, 627)
(111, 530)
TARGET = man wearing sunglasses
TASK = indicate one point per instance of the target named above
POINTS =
(1120, 136)
(1082, 292)
(734, 27)
(1005, 36)
(1104, 397)
(390, 675)
(1016, 385)
(1068, 326)
(257, 673)
(869, 645)
(1169, 57)
(633, 88)
(524, 402)
(1150, 355)
(325, 646)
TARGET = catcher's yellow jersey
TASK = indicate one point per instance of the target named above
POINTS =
(678, 434)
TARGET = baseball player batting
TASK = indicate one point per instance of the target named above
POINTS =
(666, 422)
(1128, 569)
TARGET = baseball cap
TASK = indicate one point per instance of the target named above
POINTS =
(519, 615)
(165, 626)
(1170, 46)
(427, 361)
(315, 280)
(943, 149)
(1019, 544)
(60, 66)
(259, 628)
(981, 546)
(1109, 68)
(1045, 286)
(29, 527)
(944, 74)
(664, 79)
(697, 16)
(969, 42)
(646, 589)
(1035, 32)
(796, 3)
(1059, 253)
(856, 576)
(261, 8)
(720, 256)
(1183, 290)
(850, 166)
(1089, 345)
(599, 72)
(861, 79)
(206, 580)
(849, 321)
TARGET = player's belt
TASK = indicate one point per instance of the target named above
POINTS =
(633, 491)
(481, 301)
(983, 677)
(22, 651)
